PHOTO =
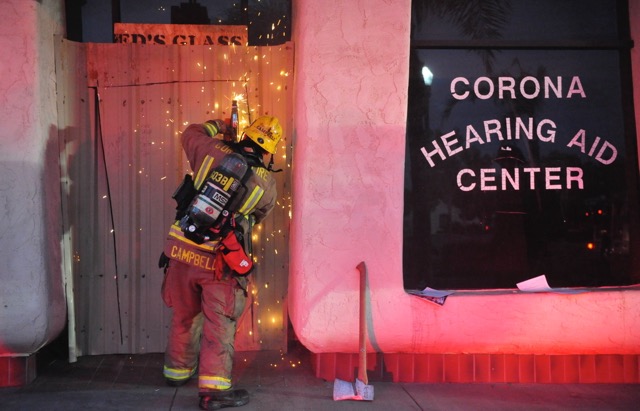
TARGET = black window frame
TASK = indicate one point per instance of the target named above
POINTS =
(622, 45)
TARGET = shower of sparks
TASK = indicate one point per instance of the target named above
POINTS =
(156, 129)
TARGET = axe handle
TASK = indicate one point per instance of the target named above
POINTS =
(362, 355)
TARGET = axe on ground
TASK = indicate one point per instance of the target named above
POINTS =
(358, 390)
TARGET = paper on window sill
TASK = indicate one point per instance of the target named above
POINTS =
(434, 293)
(435, 296)
(539, 284)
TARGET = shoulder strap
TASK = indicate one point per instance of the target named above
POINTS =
(203, 172)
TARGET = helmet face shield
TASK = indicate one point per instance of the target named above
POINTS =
(265, 132)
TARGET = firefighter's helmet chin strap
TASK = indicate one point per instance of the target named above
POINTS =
(251, 149)
(270, 166)
(251, 153)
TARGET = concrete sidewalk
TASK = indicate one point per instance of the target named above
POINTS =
(279, 381)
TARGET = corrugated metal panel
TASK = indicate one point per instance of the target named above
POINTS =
(125, 170)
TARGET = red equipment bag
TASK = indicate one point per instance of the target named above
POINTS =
(234, 255)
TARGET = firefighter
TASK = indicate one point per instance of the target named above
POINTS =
(205, 280)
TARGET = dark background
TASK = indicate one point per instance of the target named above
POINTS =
(456, 239)
(269, 21)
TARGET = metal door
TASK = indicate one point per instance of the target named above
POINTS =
(121, 109)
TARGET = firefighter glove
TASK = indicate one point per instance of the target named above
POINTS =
(214, 127)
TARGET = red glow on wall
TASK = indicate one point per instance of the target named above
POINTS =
(16, 371)
(485, 368)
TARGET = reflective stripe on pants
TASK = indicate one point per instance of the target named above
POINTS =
(209, 382)
(178, 374)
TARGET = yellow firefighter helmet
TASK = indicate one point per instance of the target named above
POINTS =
(265, 132)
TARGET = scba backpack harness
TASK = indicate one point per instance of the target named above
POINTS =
(208, 213)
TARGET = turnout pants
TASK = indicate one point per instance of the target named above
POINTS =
(205, 314)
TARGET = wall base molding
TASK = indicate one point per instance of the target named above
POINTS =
(17, 371)
(483, 368)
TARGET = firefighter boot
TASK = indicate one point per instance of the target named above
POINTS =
(214, 400)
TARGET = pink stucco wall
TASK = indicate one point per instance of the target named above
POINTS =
(351, 73)
(32, 303)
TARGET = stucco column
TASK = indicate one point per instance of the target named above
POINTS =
(32, 306)
(351, 77)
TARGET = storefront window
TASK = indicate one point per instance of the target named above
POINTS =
(521, 153)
